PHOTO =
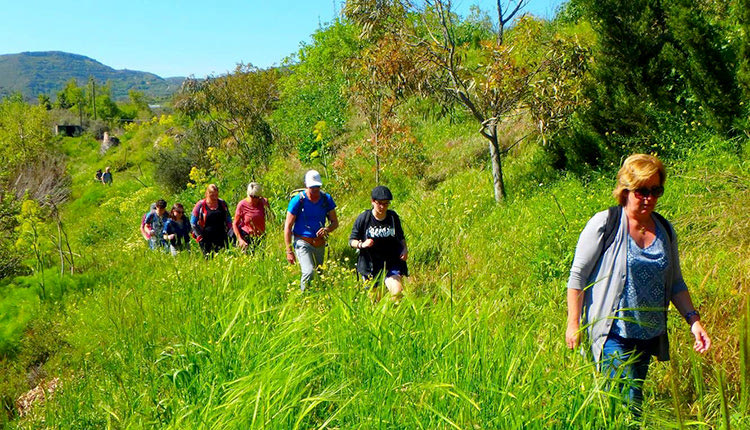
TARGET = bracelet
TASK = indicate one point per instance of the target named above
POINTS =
(693, 313)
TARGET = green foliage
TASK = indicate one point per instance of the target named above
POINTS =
(314, 90)
(234, 111)
(659, 57)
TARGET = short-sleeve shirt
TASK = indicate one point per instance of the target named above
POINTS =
(310, 217)
(252, 217)
(387, 235)
(156, 222)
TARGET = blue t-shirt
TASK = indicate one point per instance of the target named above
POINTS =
(642, 304)
(311, 217)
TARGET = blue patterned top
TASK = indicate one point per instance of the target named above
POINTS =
(642, 304)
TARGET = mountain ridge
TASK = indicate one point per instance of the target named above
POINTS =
(46, 72)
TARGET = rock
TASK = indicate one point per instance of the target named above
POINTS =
(108, 142)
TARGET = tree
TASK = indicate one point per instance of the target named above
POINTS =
(506, 11)
(236, 106)
(386, 72)
(488, 91)
(314, 89)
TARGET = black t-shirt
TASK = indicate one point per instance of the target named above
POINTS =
(387, 235)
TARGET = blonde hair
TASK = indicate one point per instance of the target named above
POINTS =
(210, 188)
(636, 171)
(254, 189)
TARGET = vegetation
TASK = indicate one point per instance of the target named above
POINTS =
(143, 339)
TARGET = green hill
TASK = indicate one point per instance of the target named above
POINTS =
(33, 73)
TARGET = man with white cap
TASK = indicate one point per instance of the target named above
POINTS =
(305, 230)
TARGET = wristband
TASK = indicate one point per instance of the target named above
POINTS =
(693, 313)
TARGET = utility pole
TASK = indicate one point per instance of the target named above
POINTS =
(93, 95)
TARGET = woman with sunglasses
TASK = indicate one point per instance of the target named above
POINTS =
(625, 272)
(177, 230)
(250, 218)
(378, 236)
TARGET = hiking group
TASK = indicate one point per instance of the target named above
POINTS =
(310, 218)
(625, 272)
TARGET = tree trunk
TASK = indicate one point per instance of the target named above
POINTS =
(497, 166)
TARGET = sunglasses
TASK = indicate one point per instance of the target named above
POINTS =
(643, 193)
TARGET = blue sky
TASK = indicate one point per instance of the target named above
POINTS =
(179, 38)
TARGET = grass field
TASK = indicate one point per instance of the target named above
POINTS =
(142, 339)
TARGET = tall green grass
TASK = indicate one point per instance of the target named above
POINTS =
(478, 341)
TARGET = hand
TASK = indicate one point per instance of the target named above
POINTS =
(367, 243)
(242, 244)
(572, 335)
(290, 256)
(171, 236)
(404, 255)
(702, 341)
(323, 232)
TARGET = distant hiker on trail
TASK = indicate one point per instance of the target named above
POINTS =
(306, 224)
(177, 230)
(98, 176)
(625, 272)
(144, 231)
(379, 238)
(107, 177)
(250, 217)
(211, 222)
(154, 225)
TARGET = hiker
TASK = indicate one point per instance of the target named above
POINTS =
(306, 224)
(211, 221)
(177, 230)
(98, 176)
(144, 231)
(107, 177)
(380, 241)
(154, 225)
(250, 217)
(625, 272)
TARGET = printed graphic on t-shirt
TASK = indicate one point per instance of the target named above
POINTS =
(380, 231)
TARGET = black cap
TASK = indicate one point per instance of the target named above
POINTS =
(381, 192)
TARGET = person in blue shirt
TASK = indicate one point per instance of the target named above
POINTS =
(177, 230)
(154, 225)
(305, 224)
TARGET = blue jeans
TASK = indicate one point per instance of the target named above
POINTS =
(626, 361)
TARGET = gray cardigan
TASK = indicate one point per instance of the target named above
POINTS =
(603, 280)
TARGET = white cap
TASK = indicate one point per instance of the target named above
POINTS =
(312, 179)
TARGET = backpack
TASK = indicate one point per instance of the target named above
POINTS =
(202, 217)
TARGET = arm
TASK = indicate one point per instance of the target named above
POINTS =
(165, 234)
(684, 305)
(333, 224)
(288, 223)
(575, 305)
(357, 239)
(400, 235)
(236, 227)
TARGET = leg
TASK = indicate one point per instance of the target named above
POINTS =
(626, 365)
(394, 285)
(307, 261)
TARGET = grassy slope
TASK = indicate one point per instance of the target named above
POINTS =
(149, 340)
